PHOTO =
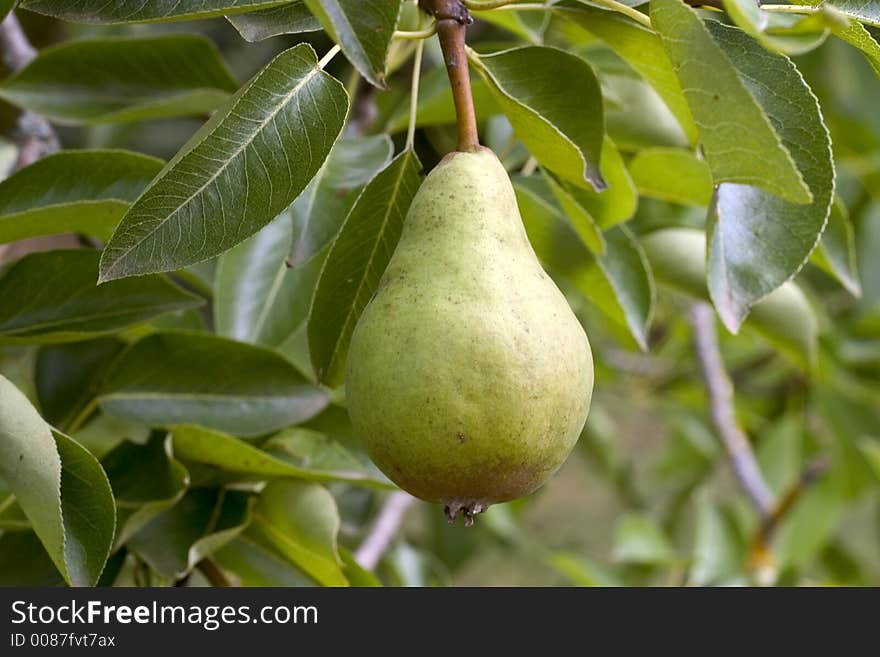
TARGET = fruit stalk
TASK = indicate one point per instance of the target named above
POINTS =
(452, 19)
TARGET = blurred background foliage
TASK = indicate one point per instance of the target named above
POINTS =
(648, 497)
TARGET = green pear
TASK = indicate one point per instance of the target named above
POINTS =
(468, 376)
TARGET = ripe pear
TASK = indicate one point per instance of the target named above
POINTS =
(468, 376)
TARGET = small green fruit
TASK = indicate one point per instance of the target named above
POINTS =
(468, 375)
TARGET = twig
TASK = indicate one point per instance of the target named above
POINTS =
(384, 529)
(33, 134)
(452, 19)
(720, 391)
(213, 573)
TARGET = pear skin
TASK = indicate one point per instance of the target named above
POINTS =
(468, 376)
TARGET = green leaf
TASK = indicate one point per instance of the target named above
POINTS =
(252, 561)
(237, 173)
(436, 106)
(203, 521)
(33, 566)
(719, 552)
(146, 480)
(259, 298)
(51, 297)
(356, 262)
(590, 211)
(837, 250)
(362, 29)
(6, 6)
(581, 571)
(320, 210)
(619, 282)
(638, 540)
(757, 241)
(784, 318)
(68, 378)
(642, 49)
(738, 135)
(810, 525)
(672, 174)
(138, 11)
(89, 193)
(857, 35)
(569, 199)
(866, 11)
(784, 33)
(301, 521)
(780, 453)
(220, 450)
(60, 487)
(558, 117)
(195, 378)
(289, 18)
(122, 79)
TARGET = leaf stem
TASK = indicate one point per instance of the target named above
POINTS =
(452, 19)
(626, 10)
(416, 35)
(792, 9)
(414, 91)
(488, 5)
(329, 56)
(82, 417)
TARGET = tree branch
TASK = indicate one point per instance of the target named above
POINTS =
(452, 20)
(213, 573)
(720, 391)
(384, 529)
(33, 134)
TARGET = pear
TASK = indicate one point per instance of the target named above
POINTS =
(468, 376)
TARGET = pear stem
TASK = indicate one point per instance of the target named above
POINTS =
(452, 19)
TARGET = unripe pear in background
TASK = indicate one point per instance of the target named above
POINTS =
(468, 375)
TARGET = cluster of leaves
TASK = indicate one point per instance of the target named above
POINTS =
(171, 392)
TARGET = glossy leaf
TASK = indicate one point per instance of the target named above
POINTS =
(6, 6)
(289, 18)
(672, 174)
(52, 297)
(204, 520)
(319, 212)
(253, 561)
(362, 29)
(857, 35)
(719, 552)
(785, 317)
(788, 34)
(138, 11)
(242, 169)
(69, 376)
(837, 250)
(757, 241)
(558, 117)
(435, 102)
(356, 262)
(89, 193)
(642, 49)
(866, 11)
(619, 282)
(259, 298)
(60, 487)
(302, 522)
(33, 566)
(146, 480)
(638, 540)
(195, 378)
(231, 454)
(115, 80)
(739, 138)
